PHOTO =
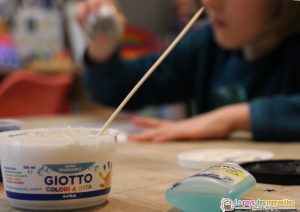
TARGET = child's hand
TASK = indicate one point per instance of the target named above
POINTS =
(213, 125)
(150, 122)
(103, 45)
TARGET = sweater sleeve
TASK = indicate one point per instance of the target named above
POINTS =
(110, 82)
(276, 118)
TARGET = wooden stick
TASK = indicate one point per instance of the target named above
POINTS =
(151, 70)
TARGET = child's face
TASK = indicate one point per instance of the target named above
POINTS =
(237, 23)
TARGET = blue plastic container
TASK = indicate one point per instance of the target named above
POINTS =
(205, 190)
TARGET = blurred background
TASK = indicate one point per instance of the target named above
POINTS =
(41, 45)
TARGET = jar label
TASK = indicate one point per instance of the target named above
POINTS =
(227, 173)
(56, 181)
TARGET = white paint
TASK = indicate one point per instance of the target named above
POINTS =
(202, 158)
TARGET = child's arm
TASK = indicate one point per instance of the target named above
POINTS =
(271, 118)
(173, 81)
(276, 118)
(213, 125)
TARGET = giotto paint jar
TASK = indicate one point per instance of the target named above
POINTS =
(49, 169)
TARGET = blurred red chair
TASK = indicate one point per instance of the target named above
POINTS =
(23, 93)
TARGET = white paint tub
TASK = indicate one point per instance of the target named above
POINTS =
(49, 169)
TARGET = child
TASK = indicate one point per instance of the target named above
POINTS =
(241, 69)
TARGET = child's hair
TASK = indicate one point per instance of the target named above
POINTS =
(285, 23)
(287, 20)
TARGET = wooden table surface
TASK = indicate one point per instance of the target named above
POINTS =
(142, 172)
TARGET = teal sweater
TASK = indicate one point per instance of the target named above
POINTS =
(198, 69)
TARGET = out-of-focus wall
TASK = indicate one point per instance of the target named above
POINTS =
(153, 15)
